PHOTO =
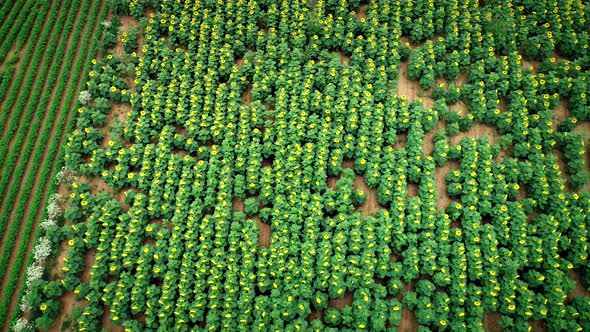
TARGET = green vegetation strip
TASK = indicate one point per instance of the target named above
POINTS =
(11, 235)
(9, 166)
(16, 25)
(52, 165)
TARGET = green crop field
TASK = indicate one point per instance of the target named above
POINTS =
(193, 165)
(45, 48)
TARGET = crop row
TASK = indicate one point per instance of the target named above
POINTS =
(12, 232)
(65, 122)
(14, 85)
(5, 79)
(9, 160)
(5, 9)
(19, 90)
(12, 25)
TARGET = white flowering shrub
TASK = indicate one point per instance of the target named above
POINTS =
(25, 306)
(34, 272)
(42, 250)
(84, 97)
(53, 207)
(21, 325)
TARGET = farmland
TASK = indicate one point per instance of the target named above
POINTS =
(39, 86)
(304, 165)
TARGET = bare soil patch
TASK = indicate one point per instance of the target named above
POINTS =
(88, 262)
(477, 130)
(530, 65)
(68, 302)
(346, 300)
(412, 190)
(561, 113)
(538, 325)
(408, 323)
(107, 324)
(370, 206)
(344, 59)
(331, 182)
(247, 95)
(127, 22)
(402, 139)
(59, 260)
(117, 114)
(9, 56)
(412, 89)
(237, 205)
(265, 232)
(362, 11)
(315, 315)
(579, 290)
(490, 322)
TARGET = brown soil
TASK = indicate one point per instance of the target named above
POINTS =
(459, 107)
(538, 325)
(95, 184)
(583, 127)
(408, 322)
(56, 270)
(477, 130)
(17, 65)
(315, 315)
(402, 139)
(460, 79)
(579, 290)
(490, 322)
(343, 302)
(370, 206)
(344, 59)
(411, 89)
(239, 61)
(68, 302)
(247, 95)
(237, 205)
(406, 41)
(561, 113)
(265, 232)
(531, 65)
(331, 182)
(118, 113)
(107, 324)
(88, 262)
(362, 11)
(127, 23)
(181, 131)
(62, 189)
(412, 190)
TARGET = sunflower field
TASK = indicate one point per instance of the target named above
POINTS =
(234, 192)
